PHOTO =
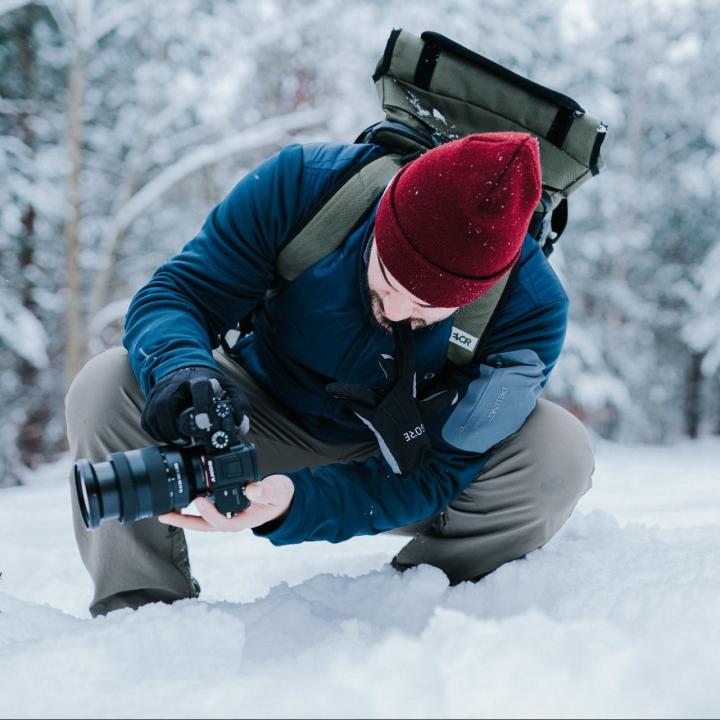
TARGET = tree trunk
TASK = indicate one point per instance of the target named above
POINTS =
(38, 410)
(75, 342)
(38, 413)
(693, 395)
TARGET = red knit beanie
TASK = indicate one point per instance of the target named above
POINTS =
(453, 221)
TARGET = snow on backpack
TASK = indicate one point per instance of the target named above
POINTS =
(432, 91)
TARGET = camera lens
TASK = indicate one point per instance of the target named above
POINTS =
(148, 482)
(137, 484)
(95, 486)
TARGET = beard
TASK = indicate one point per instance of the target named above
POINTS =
(381, 321)
(378, 317)
(377, 314)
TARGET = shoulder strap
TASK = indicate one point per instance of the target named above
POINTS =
(327, 229)
(473, 322)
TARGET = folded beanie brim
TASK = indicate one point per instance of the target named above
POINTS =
(452, 222)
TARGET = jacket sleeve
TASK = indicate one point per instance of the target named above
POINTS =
(178, 317)
(498, 394)
(337, 502)
(340, 501)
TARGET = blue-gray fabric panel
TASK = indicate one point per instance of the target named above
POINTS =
(497, 401)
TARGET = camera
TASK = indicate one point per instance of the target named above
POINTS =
(147, 482)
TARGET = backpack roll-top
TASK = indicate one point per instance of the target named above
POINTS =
(443, 91)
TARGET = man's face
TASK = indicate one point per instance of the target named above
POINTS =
(390, 301)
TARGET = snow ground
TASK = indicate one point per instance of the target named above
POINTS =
(618, 616)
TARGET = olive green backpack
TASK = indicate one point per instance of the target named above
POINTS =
(432, 91)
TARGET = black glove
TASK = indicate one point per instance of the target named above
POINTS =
(394, 413)
(201, 389)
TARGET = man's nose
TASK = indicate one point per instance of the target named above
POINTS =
(396, 307)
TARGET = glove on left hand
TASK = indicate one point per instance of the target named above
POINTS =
(394, 414)
(191, 387)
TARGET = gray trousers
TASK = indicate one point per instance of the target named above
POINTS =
(524, 494)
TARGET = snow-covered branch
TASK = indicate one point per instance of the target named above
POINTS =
(273, 130)
(113, 19)
(264, 133)
(14, 146)
(23, 333)
(7, 6)
(62, 18)
(13, 107)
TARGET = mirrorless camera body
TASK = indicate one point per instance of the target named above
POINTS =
(148, 482)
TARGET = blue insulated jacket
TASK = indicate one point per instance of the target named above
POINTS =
(319, 329)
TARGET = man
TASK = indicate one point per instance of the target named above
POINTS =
(361, 423)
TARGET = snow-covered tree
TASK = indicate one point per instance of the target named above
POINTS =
(121, 124)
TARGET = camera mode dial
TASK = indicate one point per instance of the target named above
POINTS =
(223, 409)
(220, 440)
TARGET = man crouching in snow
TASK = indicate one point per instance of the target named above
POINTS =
(361, 422)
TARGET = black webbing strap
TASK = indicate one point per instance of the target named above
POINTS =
(427, 62)
(540, 226)
(384, 66)
(595, 153)
(561, 125)
(558, 222)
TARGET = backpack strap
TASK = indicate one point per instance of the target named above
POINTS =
(329, 226)
(338, 214)
(400, 138)
(473, 322)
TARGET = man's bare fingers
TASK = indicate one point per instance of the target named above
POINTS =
(212, 515)
(188, 522)
(255, 493)
(212, 520)
(273, 490)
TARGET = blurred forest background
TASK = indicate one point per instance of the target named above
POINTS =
(123, 123)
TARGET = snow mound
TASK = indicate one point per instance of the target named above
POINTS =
(612, 618)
